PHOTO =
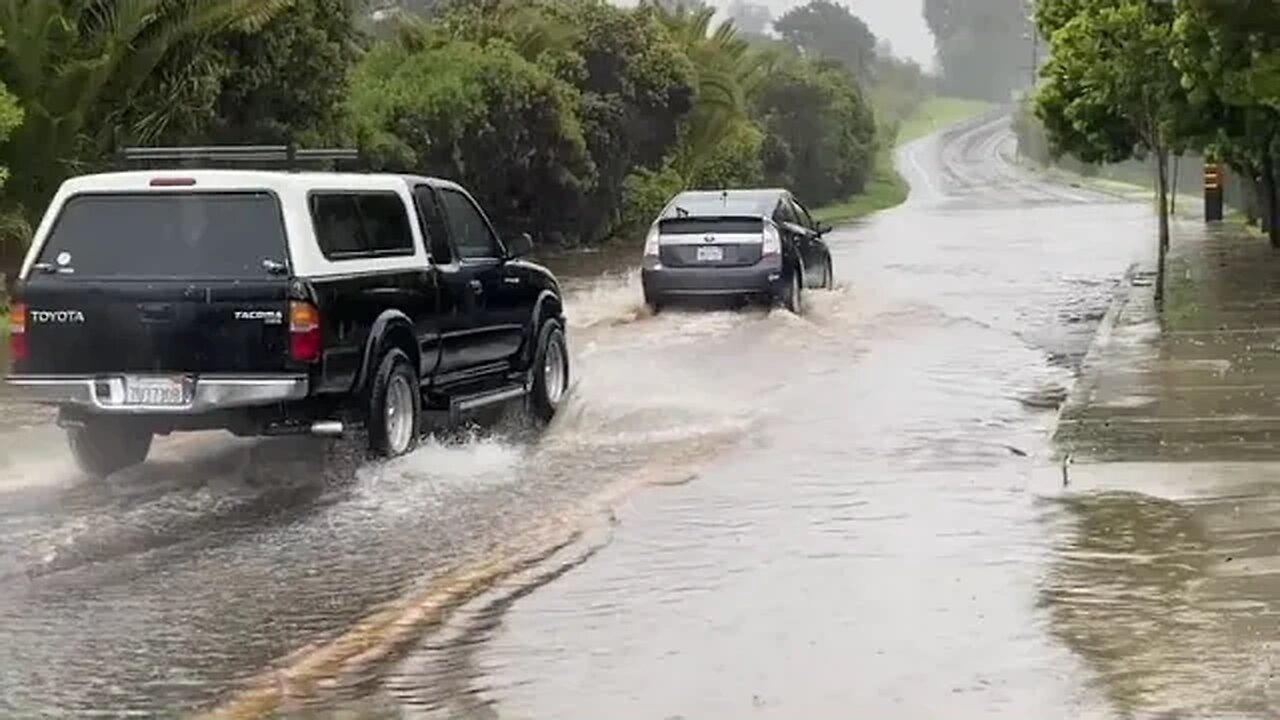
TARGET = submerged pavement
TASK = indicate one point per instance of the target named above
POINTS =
(888, 538)
(860, 512)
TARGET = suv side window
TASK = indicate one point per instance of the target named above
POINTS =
(434, 226)
(470, 231)
(361, 225)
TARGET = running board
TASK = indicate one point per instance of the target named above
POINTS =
(470, 403)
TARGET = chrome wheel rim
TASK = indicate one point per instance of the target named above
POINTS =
(399, 414)
(554, 373)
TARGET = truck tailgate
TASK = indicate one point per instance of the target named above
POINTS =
(156, 326)
(167, 280)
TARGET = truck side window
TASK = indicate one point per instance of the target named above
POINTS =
(470, 231)
(361, 225)
(434, 226)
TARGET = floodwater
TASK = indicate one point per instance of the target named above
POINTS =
(850, 513)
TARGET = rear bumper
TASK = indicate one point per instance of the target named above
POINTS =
(206, 393)
(763, 278)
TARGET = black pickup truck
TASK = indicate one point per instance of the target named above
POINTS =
(272, 302)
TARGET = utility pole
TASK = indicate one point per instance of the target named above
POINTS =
(1035, 41)
(1035, 54)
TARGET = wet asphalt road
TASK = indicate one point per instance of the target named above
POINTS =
(839, 515)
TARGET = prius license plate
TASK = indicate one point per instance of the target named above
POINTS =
(155, 391)
(710, 254)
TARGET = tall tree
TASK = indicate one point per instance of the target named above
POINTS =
(1229, 54)
(502, 125)
(289, 79)
(14, 229)
(727, 71)
(823, 29)
(820, 133)
(285, 81)
(1111, 89)
(637, 86)
(635, 83)
(984, 47)
(74, 63)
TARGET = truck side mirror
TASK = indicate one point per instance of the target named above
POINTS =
(520, 246)
(824, 228)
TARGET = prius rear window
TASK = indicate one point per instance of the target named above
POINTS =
(167, 235)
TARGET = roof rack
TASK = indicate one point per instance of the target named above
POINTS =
(275, 157)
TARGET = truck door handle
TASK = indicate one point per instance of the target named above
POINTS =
(477, 286)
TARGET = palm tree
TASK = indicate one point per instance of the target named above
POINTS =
(729, 70)
(75, 65)
(528, 26)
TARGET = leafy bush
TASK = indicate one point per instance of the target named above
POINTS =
(821, 132)
(484, 116)
(645, 192)
(737, 160)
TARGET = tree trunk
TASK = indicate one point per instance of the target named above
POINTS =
(1162, 188)
(1252, 197)
(1270, 201)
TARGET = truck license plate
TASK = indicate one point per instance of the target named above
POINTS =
(155, 391)
(710, 254)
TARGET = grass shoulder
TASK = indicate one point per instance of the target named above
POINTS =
(939, 113)
(884, 190)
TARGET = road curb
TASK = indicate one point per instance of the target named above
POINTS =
(1089, 365)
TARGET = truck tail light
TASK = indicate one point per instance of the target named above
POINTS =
(305, 343)
(17, 332)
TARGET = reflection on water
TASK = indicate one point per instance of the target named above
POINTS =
(1173, 604)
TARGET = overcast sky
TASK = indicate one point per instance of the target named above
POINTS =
(901, 22)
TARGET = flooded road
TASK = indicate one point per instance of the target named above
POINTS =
(875, 542)
(851, 513)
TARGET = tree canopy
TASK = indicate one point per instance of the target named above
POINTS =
(823, 29)
(571, 119)
(1135, 77)
(1229, 57)
(984, 48)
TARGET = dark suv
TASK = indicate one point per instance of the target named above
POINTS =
(273, 302)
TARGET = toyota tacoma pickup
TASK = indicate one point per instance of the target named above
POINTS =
(272, 301)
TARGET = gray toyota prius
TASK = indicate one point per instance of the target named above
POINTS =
(758, 244)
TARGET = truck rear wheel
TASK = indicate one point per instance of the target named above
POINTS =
(395, 405)
(102, 446)
(550, 372)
